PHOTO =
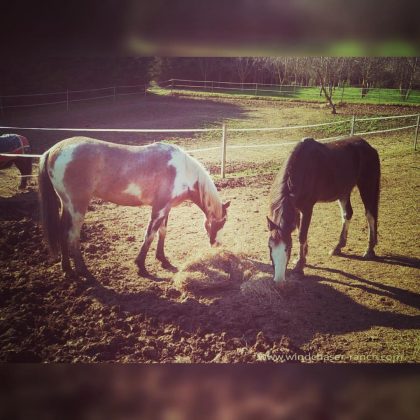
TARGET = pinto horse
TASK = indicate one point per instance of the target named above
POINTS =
(316, 172)
(16, 144)
(159, 175)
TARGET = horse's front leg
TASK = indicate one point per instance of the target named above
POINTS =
(303, 240)
(160, 250)
(156, 220)
(346, 215)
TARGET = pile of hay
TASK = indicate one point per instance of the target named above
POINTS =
(261, 288)
(215, 270)
(223, 270)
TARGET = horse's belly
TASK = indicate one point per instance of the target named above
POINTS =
(120, 197)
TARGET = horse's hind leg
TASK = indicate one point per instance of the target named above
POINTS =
(370, 197)
(346, 215)
(160, 250)
(156, 220)
(65, 224)
(74, 235)
(25, 167)
(74, 222)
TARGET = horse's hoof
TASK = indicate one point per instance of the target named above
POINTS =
(81, 270)
(369, 255)
(168, 266)
(298, 269)
(83, 273)
(69, 274)
(142, 272)
(335, 252)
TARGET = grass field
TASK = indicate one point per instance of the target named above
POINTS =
(379, 96)
(344, 309)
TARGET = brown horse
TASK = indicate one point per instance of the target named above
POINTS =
(16, 145)
(159, 175)
(316, 172)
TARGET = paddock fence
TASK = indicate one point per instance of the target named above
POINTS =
(344, 127)
(67, 97)
(341, 93)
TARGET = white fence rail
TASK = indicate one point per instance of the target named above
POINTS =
(254, 88)
(69, 96)
(223, 147)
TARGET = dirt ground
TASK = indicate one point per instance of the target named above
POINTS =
(344, 309)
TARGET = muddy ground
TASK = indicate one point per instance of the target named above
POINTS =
(343, 309)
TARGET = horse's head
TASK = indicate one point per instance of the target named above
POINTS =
(214, 225)
(280, 246)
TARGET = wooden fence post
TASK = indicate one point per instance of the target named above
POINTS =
(353, 119)
(223, 167)
(417, 132)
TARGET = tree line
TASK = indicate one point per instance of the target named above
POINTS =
(326, 72)
(385, 72)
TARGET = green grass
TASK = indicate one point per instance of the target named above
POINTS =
(311, 94)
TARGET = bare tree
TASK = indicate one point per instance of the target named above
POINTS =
(244, 66)
(328, 71)
(369, 70)
(280, 66)
(406, 68)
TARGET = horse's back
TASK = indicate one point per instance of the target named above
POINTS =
(123, 174)
(327, 171)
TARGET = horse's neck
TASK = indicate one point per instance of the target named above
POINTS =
(208, 199)
(284, 211)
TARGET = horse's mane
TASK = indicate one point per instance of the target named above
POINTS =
(282, 207)
(208, 194)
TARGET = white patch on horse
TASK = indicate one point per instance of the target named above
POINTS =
(77, 221)
(371, 223)
(185, 174)
(219, 235)
(279, 256)
(346, 224)
(57, 173)
(133, 189)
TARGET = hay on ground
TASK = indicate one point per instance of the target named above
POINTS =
(215, 270)
(224, 270)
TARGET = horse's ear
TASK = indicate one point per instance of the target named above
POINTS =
(271, 225)
(225, 207)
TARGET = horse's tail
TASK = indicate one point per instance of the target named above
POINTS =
(49, 206)
(377, 175)
(370, 180)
